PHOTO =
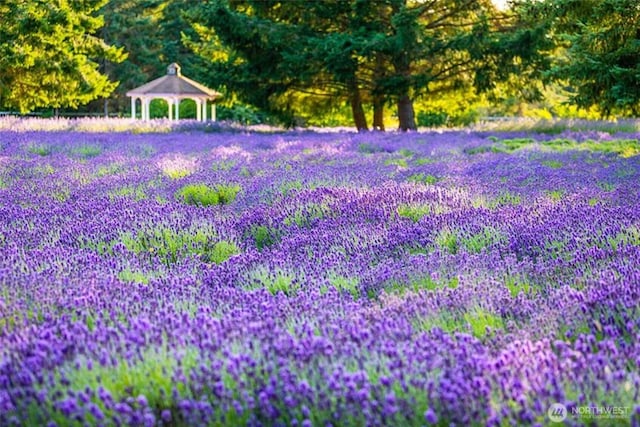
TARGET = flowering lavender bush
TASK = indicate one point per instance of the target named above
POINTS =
(380, 279)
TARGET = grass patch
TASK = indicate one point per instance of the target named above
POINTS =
(149, 374)
(415, 212)
(110, 169)
(401, 163)
(483, 240)
(264, 236)
(131, 276)
(40, 149)
(349, 285)
(135, 192)
(422, 178)
(448, 240)
(555, 195)
(275, 281)
(422, 283)
(221, 251)
(514, 144)
(306, 216)
(170, 244)
(553, 164)
(204, 195)
(479, 322)
(504, 199)
(424, 161)
(478, 150)
(87, 151)
(517, 286)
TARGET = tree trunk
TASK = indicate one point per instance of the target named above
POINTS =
(406, 115)
(359, 119)
(378, 113)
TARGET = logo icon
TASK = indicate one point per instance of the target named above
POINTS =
(557, 413)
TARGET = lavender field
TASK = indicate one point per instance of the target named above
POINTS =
(315, 279)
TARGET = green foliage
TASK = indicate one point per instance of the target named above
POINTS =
(135, 192)
(483, 240)
(600, 61)
(204, 195)
(423, 283)
(424, 161)
(448, 240)
(481, 321)
(49, 54)
(401, 163)
(149, 374)
(110, 169)
(476, 320)
(516, 143)
(305, 216)
(432, 119)
(221, 251)
(345, 284)
(264, 236)
(555, 195)
(423, 178)
(223, 165)
(133, 276)
(505, 198)
(86, 151)
(170, 245)
(275, 281)
(414, 212)
(553, 164)
(517, 285)
(40, 149)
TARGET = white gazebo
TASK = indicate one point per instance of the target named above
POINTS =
(173, 88)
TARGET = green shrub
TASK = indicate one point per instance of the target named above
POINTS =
(203, 195)
(221, 251)
(422, 178)
(345, 284)
(169, 244)
(482, 240)
(87, 151)
(274, 281)
(264, 236)
(553, 164)
(414, 212)
(40, 149)
(448, 240)
(432, 119)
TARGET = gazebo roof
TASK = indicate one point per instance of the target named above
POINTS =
(174, 84)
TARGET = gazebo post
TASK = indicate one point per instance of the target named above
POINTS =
(133, 107)
(178, 109)
(204, 110)
(213, 112)
(169, 107)
(198, 109)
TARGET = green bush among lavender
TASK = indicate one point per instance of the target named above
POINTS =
(205, 195)
(334, 291)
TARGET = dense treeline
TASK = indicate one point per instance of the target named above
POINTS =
(286, 61)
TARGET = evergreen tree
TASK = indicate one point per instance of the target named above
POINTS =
(50, 53)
